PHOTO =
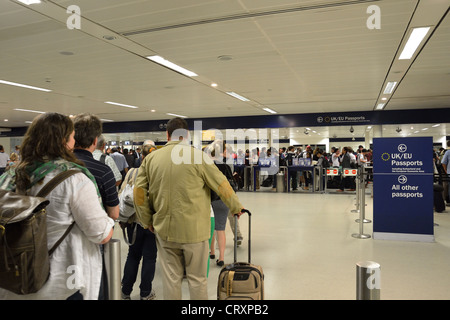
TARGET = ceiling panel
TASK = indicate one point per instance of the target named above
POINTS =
(294, 56)
(428, 81)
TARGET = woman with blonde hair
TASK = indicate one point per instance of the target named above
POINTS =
(217, 150)
(12, 162)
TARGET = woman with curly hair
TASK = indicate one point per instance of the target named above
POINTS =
(76, 265)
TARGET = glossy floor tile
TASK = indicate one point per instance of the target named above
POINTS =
(304, 243)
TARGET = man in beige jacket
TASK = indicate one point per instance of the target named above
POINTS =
(172, 199)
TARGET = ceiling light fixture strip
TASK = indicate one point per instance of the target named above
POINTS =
(269, 110)
(28, 2)
(176, 115)
(160, 60)
(15, 84)
(28, 110)
(237, 96)
(121, 105)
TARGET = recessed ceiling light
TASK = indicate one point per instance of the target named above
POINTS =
(237, 96)
(416, 37)
(6, 120)
(153, 110)
(390, 87)
(121, 105)
(27, 110)
(384, 99)
(380, 106)
(176, 115)
(107, 120)
(28, 2)
(23, 85)
(214, 85)
(436, 125)
(171, 65)
(269, 110)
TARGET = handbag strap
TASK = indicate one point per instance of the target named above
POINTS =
(132, 175)
(55, 181)
(47, 189)
(124, 231)
(61, 239)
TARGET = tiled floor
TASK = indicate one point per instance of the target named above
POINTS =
(304, 243)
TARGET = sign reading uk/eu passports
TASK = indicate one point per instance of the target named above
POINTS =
(403, 189)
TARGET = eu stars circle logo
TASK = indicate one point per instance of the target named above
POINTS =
(385, 156)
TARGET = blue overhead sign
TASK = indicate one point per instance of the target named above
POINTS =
(279, 120)
(403, 189)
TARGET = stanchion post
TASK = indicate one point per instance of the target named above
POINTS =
(358, 193)
(113, 268)
(368, 280)
(362, 208)
(362, 196)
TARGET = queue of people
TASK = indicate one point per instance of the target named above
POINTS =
(290, 156)
(172, 203)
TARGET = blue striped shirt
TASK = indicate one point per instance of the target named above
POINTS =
(104, 176)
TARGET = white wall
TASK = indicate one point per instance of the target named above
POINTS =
(442, 140)
(6, 143)
(353, 144)
(312, 140)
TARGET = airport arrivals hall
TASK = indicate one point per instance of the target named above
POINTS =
(323, 125)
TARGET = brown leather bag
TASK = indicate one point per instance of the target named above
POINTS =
(24, 259)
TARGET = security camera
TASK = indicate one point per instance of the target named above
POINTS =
(398, 130)
(306, 132)
(351, 129)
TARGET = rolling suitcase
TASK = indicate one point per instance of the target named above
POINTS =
(241, 280)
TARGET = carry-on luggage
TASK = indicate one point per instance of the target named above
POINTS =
(439, 203)
(241, 280)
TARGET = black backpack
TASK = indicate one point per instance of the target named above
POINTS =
(325, 163)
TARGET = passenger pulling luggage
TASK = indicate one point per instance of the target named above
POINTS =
(241, 280)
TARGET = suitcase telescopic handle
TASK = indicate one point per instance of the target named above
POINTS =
(246, 211)
(249, 234)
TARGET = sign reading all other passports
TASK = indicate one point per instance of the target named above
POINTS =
(403, 189)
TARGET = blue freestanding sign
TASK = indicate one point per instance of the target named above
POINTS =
(403, 189)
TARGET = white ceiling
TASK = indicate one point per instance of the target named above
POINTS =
(293, 56)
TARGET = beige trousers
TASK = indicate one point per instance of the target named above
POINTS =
(174, 258)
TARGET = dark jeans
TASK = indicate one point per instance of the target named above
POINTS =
(76, 296)
(144, 247)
